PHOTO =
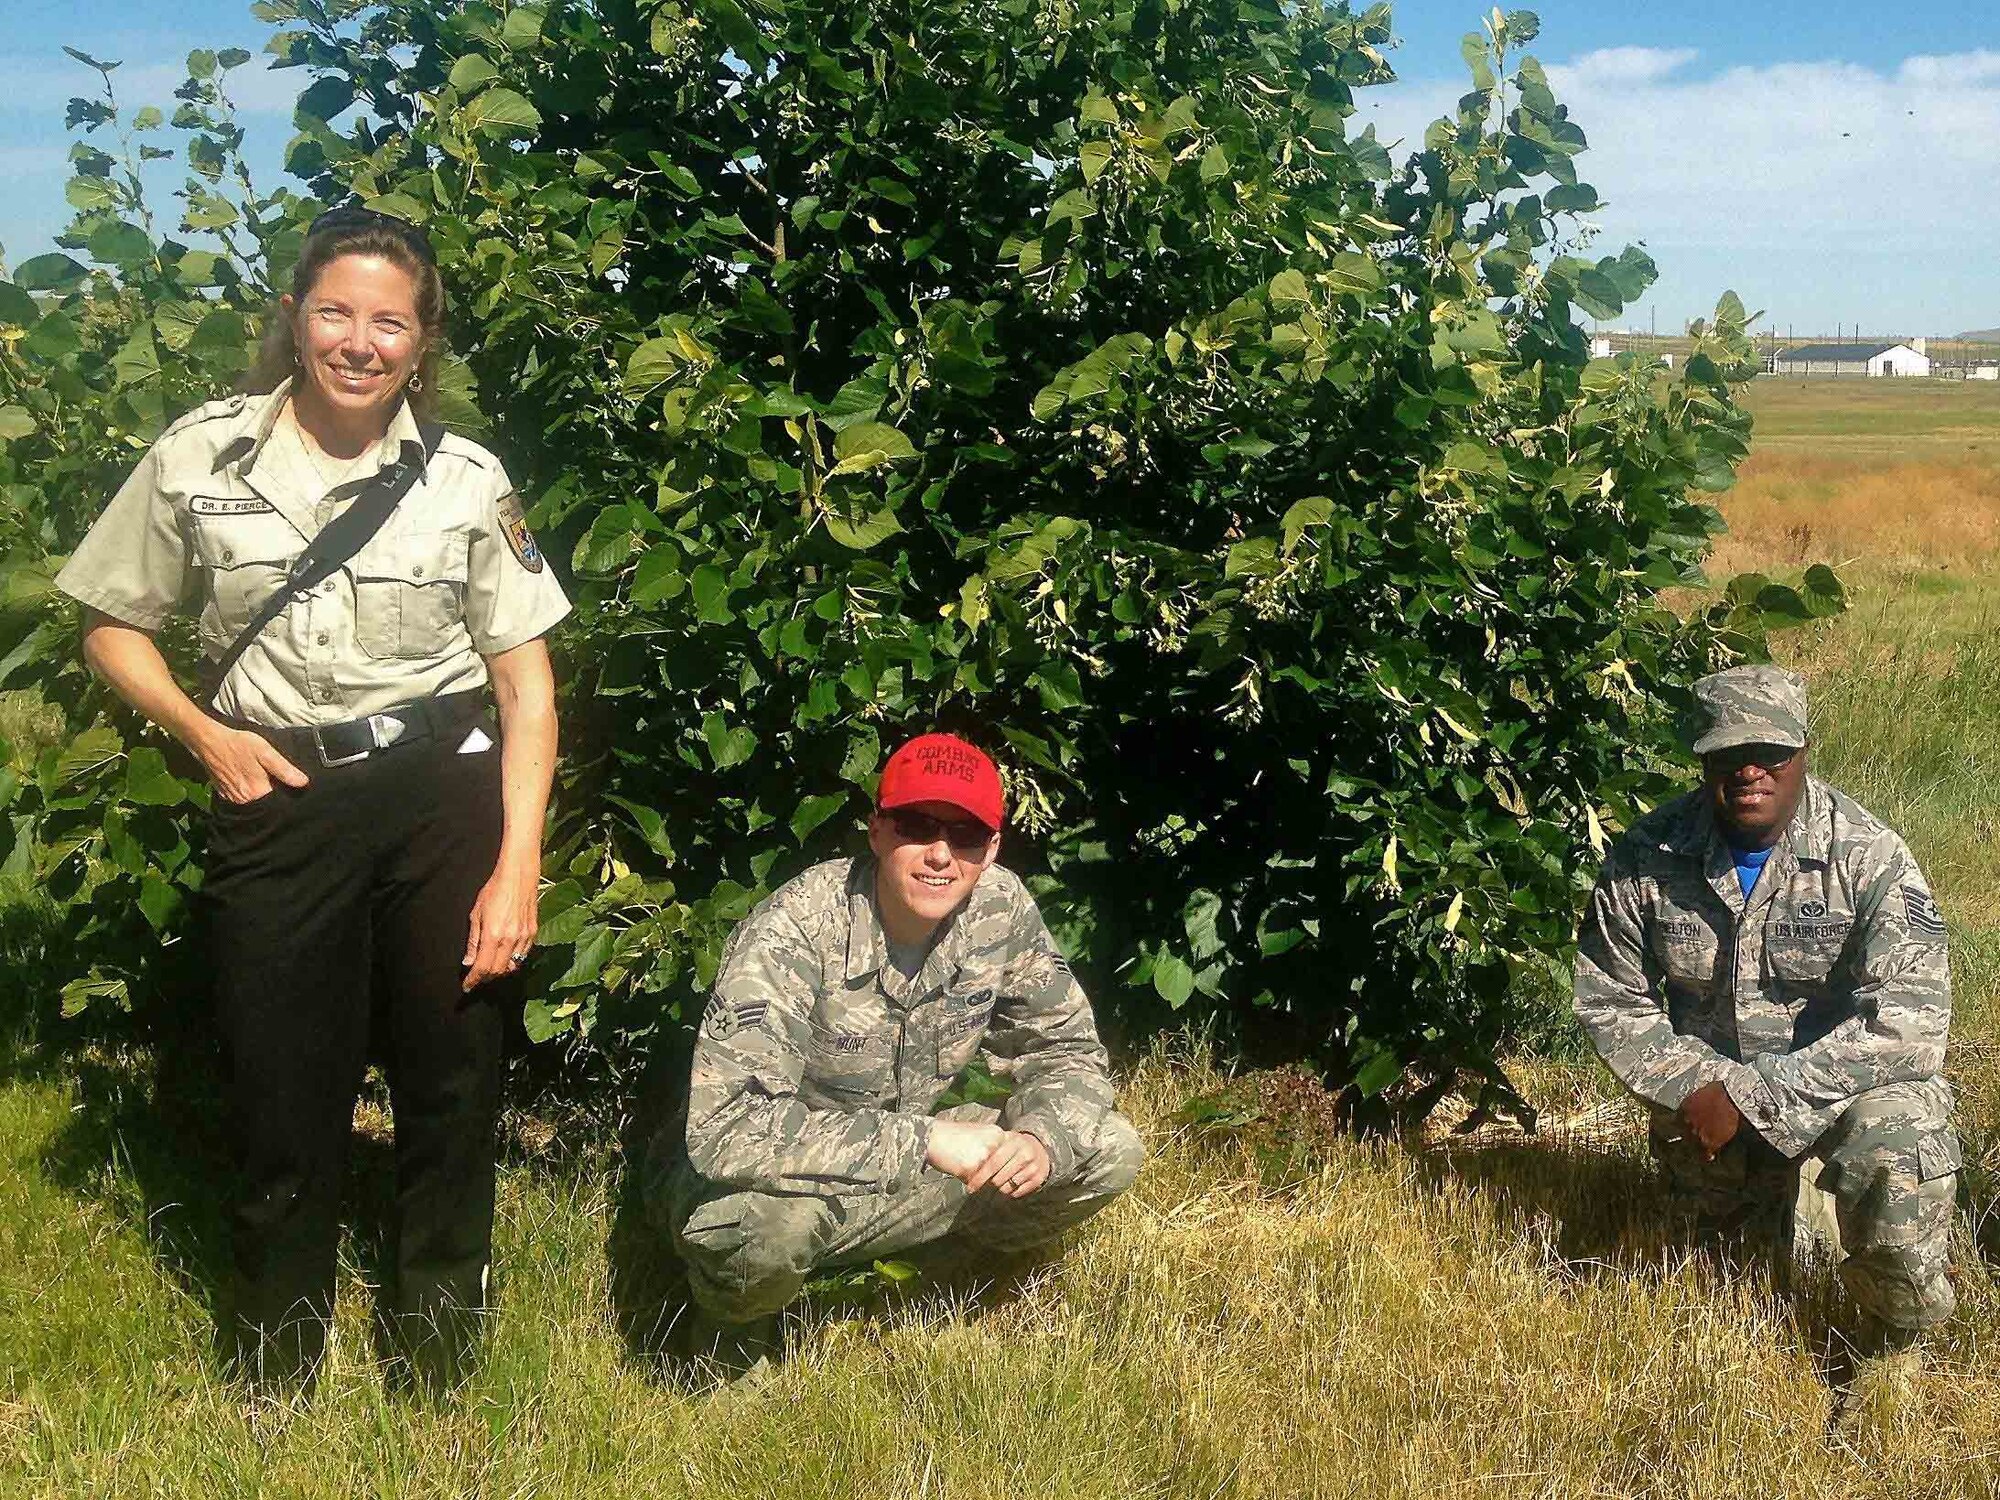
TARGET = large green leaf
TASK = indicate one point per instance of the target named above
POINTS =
(48, 273)
(1822, 591)
(813, 811)
(727, 746)
(523, 27)
(16, 306)
(94, 747)
(1201, 916)
(593, 950)
(149, 782)
(53, 337)
(88, 193)
(711, 595)
(472, 72)
(138, 361)
(860, 531)
(501, 111)
(1173, 980)
(650, 822)
(652, 364)
(80, 995)
(857, 401)
(159, 903)
(868, 445)
(658, 576)
(1288, 289)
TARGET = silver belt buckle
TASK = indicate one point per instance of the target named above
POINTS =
(383, 730)
(339, 760)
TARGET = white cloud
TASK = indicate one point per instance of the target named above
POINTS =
(1823, 191)
(1799, 151)
(1627, 65)
(1955, 68)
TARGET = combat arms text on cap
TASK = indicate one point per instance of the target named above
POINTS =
(942, 768)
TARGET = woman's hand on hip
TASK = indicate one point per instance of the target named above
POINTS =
(243, 765)
(504, 920)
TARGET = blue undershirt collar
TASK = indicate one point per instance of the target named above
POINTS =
(1749, 865)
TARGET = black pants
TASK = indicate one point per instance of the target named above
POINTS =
(336, 908)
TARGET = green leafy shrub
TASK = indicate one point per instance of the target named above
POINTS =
(1067, 374)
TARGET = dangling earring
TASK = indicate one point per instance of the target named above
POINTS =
(416, 383)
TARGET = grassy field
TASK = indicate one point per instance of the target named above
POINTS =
(1495, 1316)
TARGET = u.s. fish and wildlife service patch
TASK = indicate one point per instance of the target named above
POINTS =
(520, 540)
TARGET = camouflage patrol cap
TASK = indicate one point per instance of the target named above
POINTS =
(1761, 705)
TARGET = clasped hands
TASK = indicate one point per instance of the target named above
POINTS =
(1014, 1162)
(1711, 1117)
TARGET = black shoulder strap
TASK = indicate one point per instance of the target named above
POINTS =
(342, 537)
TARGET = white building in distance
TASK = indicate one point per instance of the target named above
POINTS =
(1853, 359)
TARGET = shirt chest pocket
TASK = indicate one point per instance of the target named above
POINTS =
(1800, 954)
(849, 1067)
(1687, 947)
(245, 556)
(409, 592)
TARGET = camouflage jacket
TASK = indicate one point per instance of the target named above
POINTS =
(1829, 980)
(819, 1062)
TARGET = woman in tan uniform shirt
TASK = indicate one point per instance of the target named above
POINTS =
(374, 859)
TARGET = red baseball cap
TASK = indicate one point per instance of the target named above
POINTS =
(942, 768)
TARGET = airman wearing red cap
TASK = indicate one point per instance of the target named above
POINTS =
(845, 1006)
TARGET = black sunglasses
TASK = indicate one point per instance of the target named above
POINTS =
(354, 216)
(1736, 757)
(965, 835)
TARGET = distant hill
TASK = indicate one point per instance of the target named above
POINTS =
(1981, 336)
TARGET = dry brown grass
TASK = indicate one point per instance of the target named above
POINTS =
(1792, 507)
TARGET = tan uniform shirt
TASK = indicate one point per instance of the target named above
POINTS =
(218, 510)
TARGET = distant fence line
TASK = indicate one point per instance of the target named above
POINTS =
(1852, 370)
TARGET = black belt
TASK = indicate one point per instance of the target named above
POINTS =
(357, 739)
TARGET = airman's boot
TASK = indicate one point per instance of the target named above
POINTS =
(743, 1355)
(1881, 1384)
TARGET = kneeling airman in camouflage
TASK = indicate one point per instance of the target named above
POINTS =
(1763, 963)
(844, 1007)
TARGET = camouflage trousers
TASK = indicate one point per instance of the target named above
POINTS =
(1891, 1164)
(749, 1253)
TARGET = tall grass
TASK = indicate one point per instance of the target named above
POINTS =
(1906, 718)
(1504, 1319)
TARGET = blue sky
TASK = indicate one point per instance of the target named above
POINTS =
(1832, 162)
